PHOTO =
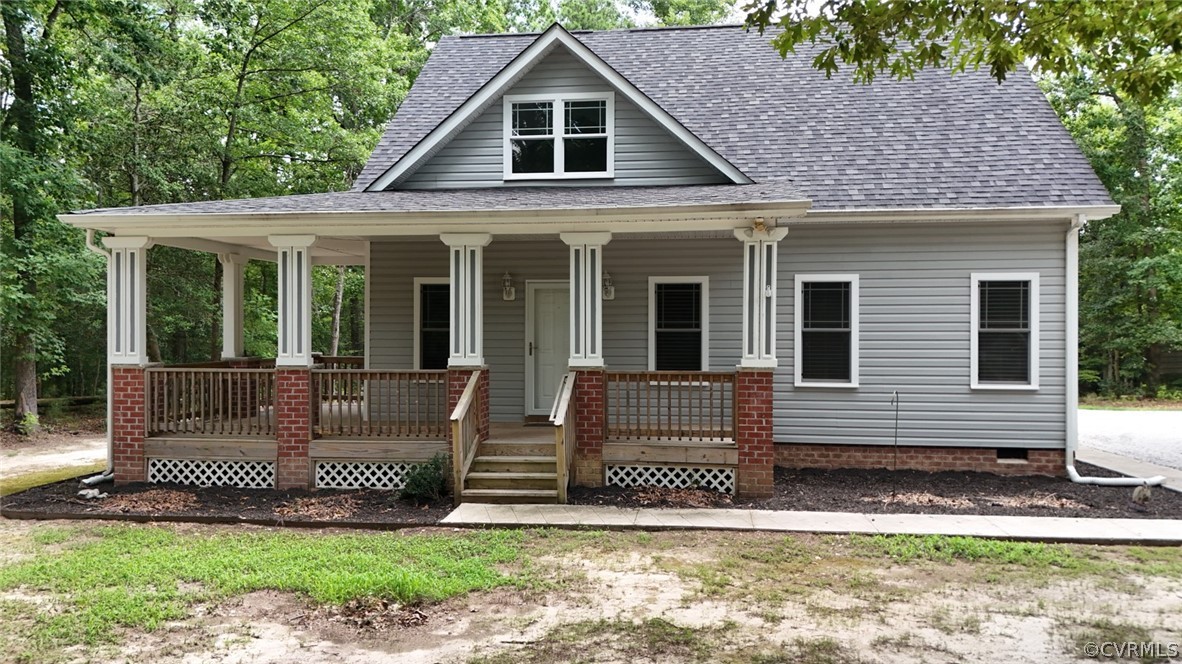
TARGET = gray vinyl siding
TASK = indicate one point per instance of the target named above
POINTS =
(394, 266)
(914, 306)
(915, 335)
(646, 154)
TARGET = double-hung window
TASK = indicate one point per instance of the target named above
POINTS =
(568, 136)
(432, 322)
(826, 330)
(1005, 330)
(679, 314)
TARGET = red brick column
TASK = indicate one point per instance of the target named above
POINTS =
(457, 382)
(590, 419)
(293, 427)
(128, 390)
(753, 432)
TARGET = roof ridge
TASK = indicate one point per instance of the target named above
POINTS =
(657, 28)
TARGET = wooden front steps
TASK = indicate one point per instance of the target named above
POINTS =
(512, 472)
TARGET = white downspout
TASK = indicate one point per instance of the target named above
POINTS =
(1072, 412)
(109, 474)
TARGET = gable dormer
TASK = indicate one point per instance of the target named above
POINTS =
(557, 114)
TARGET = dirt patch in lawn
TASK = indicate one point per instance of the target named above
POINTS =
(331, 506)
(883, 491)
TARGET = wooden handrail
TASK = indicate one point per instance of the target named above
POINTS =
(465, 432)
(669, 405)
(340, 362)
(564, 433)
(361, 403)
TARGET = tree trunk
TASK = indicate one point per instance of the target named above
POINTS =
(337, 301)
(25, 136)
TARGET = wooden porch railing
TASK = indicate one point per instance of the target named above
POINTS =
(356, 403)
(563, 417)
(340, 362)
(670, 405)
(216, 402)
(465, 432)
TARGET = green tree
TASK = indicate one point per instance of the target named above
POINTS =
(1131, 263)
(39, 69)
(1136, 45)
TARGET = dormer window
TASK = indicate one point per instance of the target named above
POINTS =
(566, 136)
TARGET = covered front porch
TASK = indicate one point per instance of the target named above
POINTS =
(533, 360)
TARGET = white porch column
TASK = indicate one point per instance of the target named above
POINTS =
(586, 297)
(233, 268)
(127, 300)
(295, 299)
(759, 295)
(467, 297)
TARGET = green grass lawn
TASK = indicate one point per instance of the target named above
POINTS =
(92, 588)
(18, 483)
(109, 578)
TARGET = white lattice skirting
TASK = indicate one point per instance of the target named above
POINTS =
(362, 474)
(717, 478)
(242, 474)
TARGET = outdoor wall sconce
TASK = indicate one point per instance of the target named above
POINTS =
(508, 292)
(609, 289)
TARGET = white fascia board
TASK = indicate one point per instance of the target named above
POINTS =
(526, 60)
(909, 215)
(724, 217)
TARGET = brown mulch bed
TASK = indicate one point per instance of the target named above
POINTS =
(870, 491)
(173, 501)
(913, 492)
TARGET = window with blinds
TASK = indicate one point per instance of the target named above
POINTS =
(678, 322)
(1003, 332)
(434, 325)
(826, 331)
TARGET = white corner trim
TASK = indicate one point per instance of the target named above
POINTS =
(798, 327)
(416, 332)
(525, 61)
(652, 316)
(975, 322)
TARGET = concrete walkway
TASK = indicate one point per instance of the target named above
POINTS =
(1128, 466)
(1039, 529)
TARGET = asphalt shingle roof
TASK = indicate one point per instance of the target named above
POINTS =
(938, 141)
(459, 200)
(935, 141)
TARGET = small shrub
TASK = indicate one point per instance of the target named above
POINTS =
(427, 483)
(28, 425)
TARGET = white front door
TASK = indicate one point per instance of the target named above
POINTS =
(547, 342)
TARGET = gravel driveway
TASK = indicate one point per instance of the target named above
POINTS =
(1153, 436)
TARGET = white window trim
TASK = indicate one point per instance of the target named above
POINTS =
(559, 119)
(975, 321)
(652, 316)
(417, 361)
(798, 328)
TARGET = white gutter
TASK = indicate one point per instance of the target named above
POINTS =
(1072, 413)
(108, 474)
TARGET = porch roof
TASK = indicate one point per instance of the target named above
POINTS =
(404, 212)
